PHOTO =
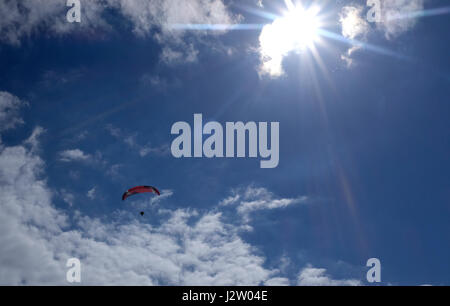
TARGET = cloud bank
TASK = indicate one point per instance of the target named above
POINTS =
(186, 248)
(23, 19)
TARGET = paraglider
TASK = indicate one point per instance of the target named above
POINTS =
(140, 189)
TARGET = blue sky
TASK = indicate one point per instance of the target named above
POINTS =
(86, 112)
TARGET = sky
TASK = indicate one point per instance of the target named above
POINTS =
(86, 110)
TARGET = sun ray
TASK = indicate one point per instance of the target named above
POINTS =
(216, 27)
(363, 45)
(257, 12)
(421, 14)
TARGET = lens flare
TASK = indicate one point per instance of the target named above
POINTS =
(297, 30)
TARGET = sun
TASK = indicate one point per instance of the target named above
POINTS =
(297, 30)
(301, 26)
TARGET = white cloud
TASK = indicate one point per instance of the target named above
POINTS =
(9, 111)
(353, 23)
(25, 18)
(250, 199)
(163, 14)
(74, 155)
(187, 248)
(33, 140)
(230, 200)
(354, 26)
(146, 14)
(397, 16)
(310, 276)
(27, 219)
(92, 193)
(295, 31)
(277, 281)
(271, 56)
(143, 203)
(165, 194)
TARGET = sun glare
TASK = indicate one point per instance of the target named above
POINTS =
(297, 30)
(301, 27)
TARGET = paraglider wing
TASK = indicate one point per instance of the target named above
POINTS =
(139, 189)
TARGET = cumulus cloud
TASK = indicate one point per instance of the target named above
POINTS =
(310, 276)
(164, 14)
(354, 26)
(398, 15)
(277, 40)
(19, 19)
(9, 111)
(188, 247)
(353, 23)
(295, 31)
(271, 57)
(25, 211)
(146, 14)
(22, 19)
(74, 155)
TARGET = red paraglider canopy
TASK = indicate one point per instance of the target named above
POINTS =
(139, 189)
